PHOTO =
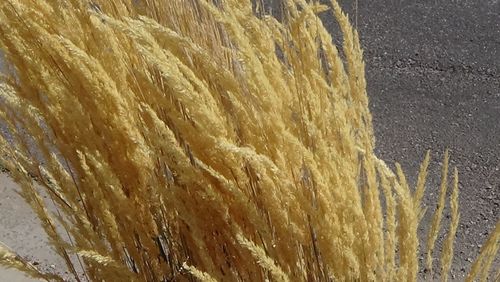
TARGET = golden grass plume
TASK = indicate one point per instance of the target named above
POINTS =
(206, 139)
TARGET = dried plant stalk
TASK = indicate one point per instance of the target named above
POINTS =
(447, 254)
(438, 214)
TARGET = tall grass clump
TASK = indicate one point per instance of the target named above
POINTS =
(205, 139)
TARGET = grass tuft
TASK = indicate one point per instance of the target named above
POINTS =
(205, 139)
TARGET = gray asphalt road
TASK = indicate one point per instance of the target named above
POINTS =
(433, 71)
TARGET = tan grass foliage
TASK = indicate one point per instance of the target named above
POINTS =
(206, 139)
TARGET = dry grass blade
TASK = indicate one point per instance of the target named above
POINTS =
(263, 260)
(407, 229)
(11, 260)
(200, 275)
(420, 188)
(447, 253)
(489, 251)
(438, 214)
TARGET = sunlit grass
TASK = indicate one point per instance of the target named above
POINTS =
(185, 139)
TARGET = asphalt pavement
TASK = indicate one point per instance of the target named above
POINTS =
(433, 74)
